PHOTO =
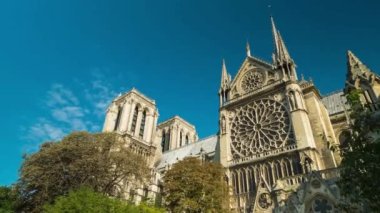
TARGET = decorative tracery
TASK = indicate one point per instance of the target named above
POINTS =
(252, 80)
(259, 126)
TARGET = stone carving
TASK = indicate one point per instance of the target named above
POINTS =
(252, 80)
(259, 126)
(223, 125)
(265, 201)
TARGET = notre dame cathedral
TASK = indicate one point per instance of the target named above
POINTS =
(275, 139)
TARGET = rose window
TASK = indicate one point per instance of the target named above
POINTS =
(259, 126)
(252, 80)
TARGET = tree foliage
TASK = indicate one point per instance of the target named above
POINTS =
(195, 186)
(85, 200)
(360, 167)
(98, 161)
(7, 199)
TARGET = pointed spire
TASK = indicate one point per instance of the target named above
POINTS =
(224, 85)
(357, 68)
(275, 38)
(283, 50)
(248, 49)
(352, 59)
(358, 73)
(281, 53)
(225, 77)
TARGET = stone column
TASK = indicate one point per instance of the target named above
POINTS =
(274, 174)
(107, 121)
(178, 137)
(148, 126)
(131, 111)
(138, 123)
(111, 115)
(125, 116)
(172, 141)
(153, 130)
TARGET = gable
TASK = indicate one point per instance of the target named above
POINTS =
(252, 75)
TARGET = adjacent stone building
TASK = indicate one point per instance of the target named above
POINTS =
(275, 138)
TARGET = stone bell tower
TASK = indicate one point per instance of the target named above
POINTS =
(134, 116)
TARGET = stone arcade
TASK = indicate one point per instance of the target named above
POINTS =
(275, 137)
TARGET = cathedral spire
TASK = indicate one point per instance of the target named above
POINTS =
(275, 39)
(352, 59)
(224, 84)
(281, 54)
(357, 68)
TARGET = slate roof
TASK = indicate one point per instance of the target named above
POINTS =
(334, 102)
(208, 146)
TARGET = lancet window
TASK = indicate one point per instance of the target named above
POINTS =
(163, 140)
(180, 139)
(118, 118)
(134, 119)
(245, 180)
(142, 125)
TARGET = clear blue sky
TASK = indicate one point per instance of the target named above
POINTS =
(62, 61)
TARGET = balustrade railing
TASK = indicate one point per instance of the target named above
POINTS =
(263, 154)
(252, 92)
(332, 173)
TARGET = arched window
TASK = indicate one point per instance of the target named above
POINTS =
(167, 138)
(118, 118)
(134, 119)
(252, 181)
(277, 166)
(163, 141)
(243, 181)
(234, 186)
(142, 125)
(288, 167)
(187, 139)
(268, 173)
(180, 139)
(238, 186)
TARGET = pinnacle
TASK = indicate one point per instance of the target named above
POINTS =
(225, 77)
(352, 59)
(281, 53)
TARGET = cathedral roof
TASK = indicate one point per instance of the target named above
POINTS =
(205, 146)
(334, 102)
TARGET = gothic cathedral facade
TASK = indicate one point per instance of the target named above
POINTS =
(275, 139)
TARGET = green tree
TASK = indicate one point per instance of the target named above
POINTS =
(98, 161)
(360, 167)
(7, 199)
(195, 186)
(85, 200)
